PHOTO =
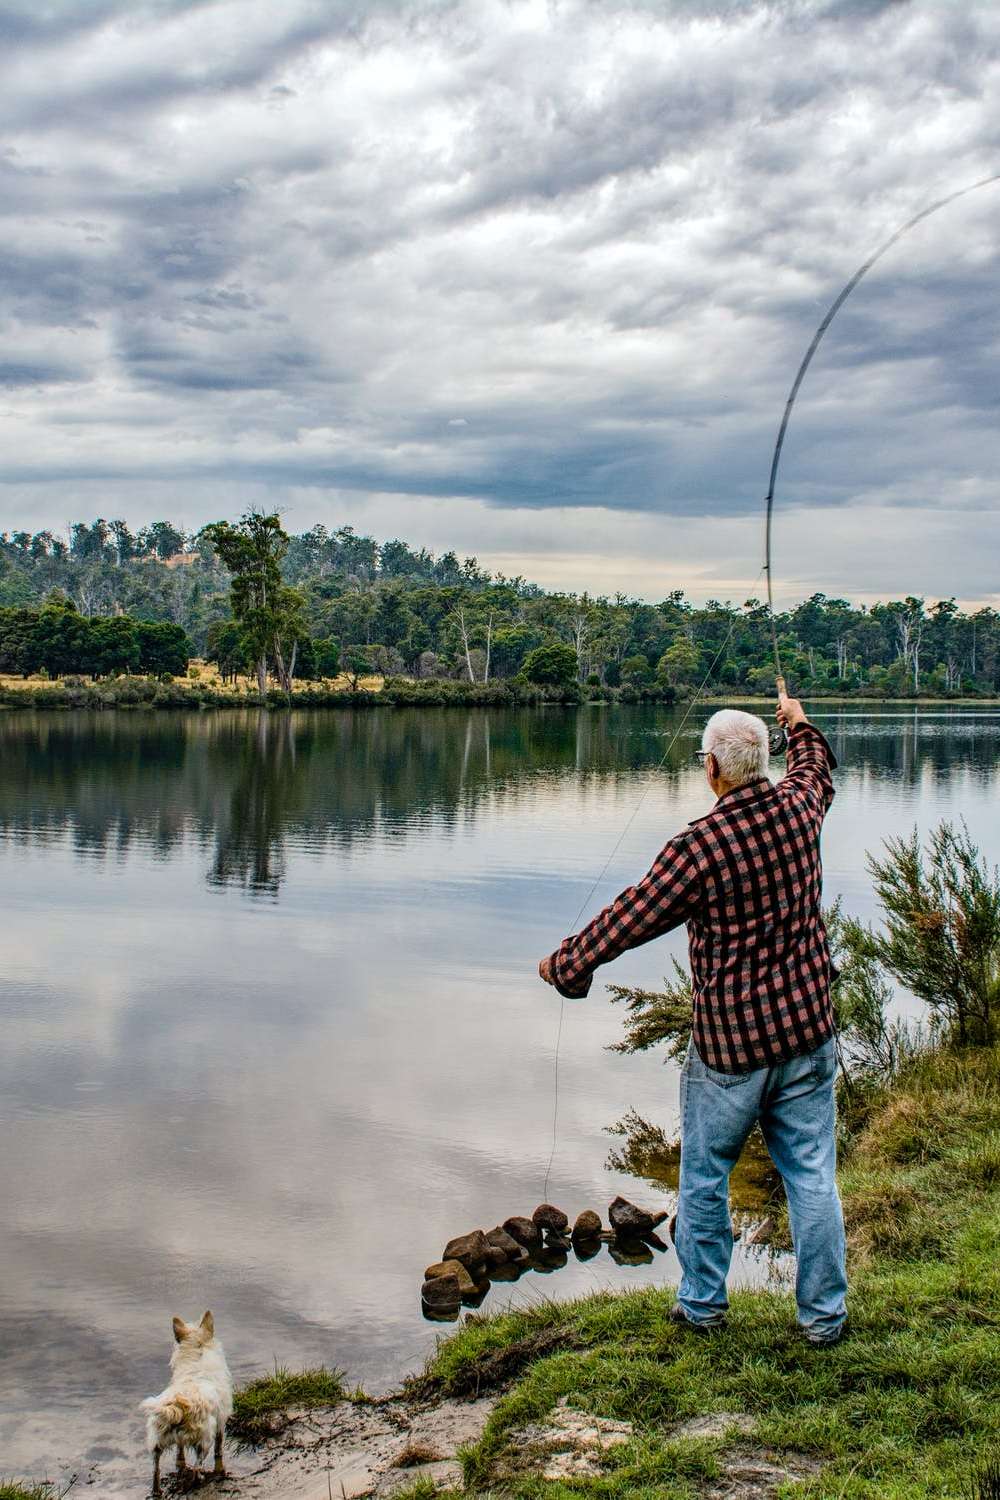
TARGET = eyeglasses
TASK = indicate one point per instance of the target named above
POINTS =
(702, 755)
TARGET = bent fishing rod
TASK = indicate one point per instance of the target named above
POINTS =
(778, 740)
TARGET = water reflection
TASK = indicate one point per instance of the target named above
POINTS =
(267, 768)
(249, 783)
(650, 1154)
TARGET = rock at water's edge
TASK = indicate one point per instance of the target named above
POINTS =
(763, 1234)
(451, 1268)
(525, 1231)
(442, 1293)
(587, 1226)
(547, 1216)
(471, 1249)
(626, 1218)
(501, 1240)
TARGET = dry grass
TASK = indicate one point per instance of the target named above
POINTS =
(206, 676)
(415, 1454)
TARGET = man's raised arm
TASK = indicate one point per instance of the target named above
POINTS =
(810, 759)
(662, 900)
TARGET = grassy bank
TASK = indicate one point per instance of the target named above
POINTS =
(259, 1406)
(908, 1405)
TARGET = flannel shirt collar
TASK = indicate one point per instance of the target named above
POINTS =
(739, 794)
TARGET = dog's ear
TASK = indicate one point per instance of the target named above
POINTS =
(208, 1324)
(180, 1329)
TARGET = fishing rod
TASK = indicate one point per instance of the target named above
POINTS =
(778, 739)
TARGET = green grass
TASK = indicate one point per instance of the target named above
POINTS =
(907, 1406)
(11, 1490)
(254, 1403)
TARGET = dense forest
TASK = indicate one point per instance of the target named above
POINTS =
(339, 601)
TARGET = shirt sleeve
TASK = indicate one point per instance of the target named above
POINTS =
(809, 764)
(662, 900)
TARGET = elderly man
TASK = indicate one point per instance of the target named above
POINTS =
(746, 879)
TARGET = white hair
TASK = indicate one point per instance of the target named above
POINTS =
(739, 743)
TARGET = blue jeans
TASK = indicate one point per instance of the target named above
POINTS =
(794, 1103)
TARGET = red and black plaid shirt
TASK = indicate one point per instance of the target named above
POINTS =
(747, 880)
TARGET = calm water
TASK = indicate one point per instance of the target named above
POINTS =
(272, 1031)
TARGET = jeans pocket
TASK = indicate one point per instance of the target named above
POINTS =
(721, 1080)
(824, 1061)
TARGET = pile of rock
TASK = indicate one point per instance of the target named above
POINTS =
(472, 1262)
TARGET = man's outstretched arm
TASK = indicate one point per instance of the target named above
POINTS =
(662, 900)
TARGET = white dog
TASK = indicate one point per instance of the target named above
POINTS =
(194, 1408)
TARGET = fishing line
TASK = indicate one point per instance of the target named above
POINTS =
(817, 337)
(607, 863)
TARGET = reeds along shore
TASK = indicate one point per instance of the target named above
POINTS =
(152, 692)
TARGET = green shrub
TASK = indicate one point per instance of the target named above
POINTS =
(941, 933)
(555, 665)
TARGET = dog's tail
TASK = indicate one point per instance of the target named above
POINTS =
(168, 1411)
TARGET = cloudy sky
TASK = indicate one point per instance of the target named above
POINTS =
(529, 280)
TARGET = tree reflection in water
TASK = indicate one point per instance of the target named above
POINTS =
(245, 783)
(648, 1153)
(268, 783)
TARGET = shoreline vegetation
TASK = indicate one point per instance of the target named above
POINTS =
(204, 688)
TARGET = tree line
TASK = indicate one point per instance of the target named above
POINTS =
(59, 641)
(260, 601)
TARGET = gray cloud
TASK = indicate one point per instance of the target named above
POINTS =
(281, 251)
(25, 373)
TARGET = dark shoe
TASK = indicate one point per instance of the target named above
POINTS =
(707, 1325)
(827, 1341)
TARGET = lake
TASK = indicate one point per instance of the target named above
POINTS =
(273, 1033)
